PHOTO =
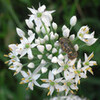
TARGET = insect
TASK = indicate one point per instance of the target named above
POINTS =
(68, 47)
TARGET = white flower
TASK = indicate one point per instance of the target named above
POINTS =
(29, 23)
(73, 21)
(48, 47)
(31, 65)
(41, 15)
(30, 79)
(51, 83)
(17, 66)
(26, 45)
(54, 25)
(13, 54)
(87, 63)
(40, 48)
(79, 73)
(54, 59)
(69, 85)
(85, 37)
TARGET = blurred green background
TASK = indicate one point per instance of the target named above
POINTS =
(13, 14)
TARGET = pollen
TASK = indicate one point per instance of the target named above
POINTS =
(21, 83)
(5, 55)
(48, 93)
(23, 79)
(27, 80)
(91, 56)
(43, 80)
(6, 62)
(11, 67)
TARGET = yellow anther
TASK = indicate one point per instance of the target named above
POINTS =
(64, 83)
(9, 54)
(48, 88)
(71, 91)
(27, 80)
(48, 93)
(11, 67)
(21, 38)
(91, 71)
(78, 81)
(13, 60)
(21, 83)
(87, 32)
(43, 80)
(6, 62)
(28, 73)
(84, 29)
(88, 68)
(86, 40)
(94, 63)
(5, 55)
(16, 44)
(91, 56)
(15, 73)
(65, 89)
(57, 90)
(23, 79)
(10, 49)
(75, 72)
(27, 88)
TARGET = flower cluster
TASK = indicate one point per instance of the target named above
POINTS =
(39, 52)
(69, 97)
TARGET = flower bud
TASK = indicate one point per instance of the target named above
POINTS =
(49, 56)
(64, 27)
(48, 47)
(37, 41)
(73, 21)
(54, 71)
(54, 25)
(54, 50)
(46, 37)
(61, 57)
(72, 37)
(31, 65)
(54, 59)
(40, 48)
(42, 41)
(76, 47)
(29, 23)
(20, 32)
(37, 29)
(66, 32)
(43, 69)
(52, 36)
(39, 56)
